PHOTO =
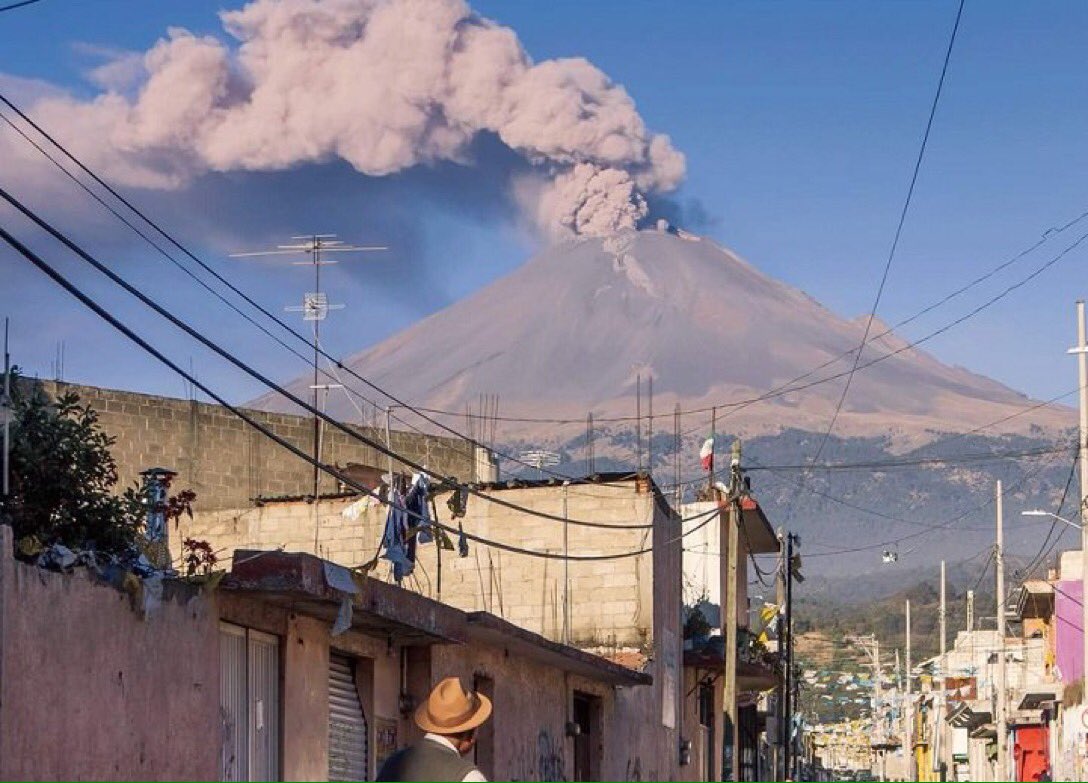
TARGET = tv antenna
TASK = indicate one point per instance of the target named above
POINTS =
(315, 308)
(540, 459)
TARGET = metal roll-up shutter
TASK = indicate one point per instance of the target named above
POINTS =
(347, 724)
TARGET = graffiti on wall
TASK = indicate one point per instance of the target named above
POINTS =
(542, 760)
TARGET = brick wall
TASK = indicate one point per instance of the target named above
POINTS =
(227, 462)
(612, 601)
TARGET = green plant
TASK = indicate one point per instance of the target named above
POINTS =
(63, 477)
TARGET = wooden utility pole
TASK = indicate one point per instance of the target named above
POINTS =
(729, 606)
(999, 564)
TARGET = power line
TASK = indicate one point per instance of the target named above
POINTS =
(898, 232)
(162, 251)
(938, 528)
(240, 413)
(878, 465)
(13, 6)
(1041, 555)
(381, 448)
(423, 411)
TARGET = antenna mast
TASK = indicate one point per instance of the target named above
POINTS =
(315, 308)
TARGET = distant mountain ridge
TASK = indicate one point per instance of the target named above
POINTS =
(572, 329)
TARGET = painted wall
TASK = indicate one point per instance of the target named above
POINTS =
(225, 461)
(90, 690)
(1069, 637)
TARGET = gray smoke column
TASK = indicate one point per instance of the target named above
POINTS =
(383, 84)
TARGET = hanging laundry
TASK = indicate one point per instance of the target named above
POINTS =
(419, 511)
(442, 539)
(458, 502)
(394, 541)
(462, 541)
(356, 509)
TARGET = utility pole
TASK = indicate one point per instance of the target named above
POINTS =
(6, 412)
(638, 420)
(942, 671)
(780, 600)
(789, 691)
(566, 569)
(999, 564)
(650, 432)
(676, 448)
(729, 606)
(908, 709)
(970, 610)
(713, 446)
(1082, 371)
(944, 621)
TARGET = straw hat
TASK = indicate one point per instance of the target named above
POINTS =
(450, 710)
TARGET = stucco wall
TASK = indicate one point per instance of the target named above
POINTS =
(89, 690)
(225, 461)
(612, 601)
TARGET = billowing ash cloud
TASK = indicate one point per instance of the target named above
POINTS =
(385, 85)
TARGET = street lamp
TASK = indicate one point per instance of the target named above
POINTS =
(1038, 512)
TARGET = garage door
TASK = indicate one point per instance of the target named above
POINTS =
(347, 724)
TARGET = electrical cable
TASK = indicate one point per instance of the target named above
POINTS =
(166, 254)
(421, 410)
(879, 465)
(20, 4)
(241, 414)
(985, 568)
(1041, 555)
(942, 527)
(376, 445)
(898, 233)
(335, 362)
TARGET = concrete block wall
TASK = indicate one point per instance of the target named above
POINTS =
(612, 601)
(227, 462)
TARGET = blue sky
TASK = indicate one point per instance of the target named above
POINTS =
(800, 122)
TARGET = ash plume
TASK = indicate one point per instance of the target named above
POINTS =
(385, 85)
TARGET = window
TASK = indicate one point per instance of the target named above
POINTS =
(249, 703)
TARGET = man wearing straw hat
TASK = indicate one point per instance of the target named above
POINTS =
(450, 716)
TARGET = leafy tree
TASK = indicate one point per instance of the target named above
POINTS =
(63, 476)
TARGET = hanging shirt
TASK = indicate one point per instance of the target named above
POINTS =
(394, 538)
(419, 509)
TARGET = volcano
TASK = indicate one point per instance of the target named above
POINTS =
(573, 329)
